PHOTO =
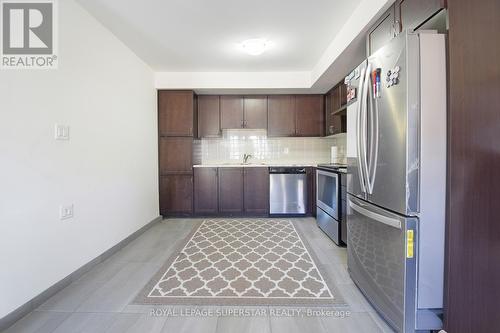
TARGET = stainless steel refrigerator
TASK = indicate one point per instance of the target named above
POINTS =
(396, 181)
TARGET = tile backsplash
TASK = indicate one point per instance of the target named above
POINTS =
(235, 143)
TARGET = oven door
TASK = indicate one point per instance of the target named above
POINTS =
(327, 192)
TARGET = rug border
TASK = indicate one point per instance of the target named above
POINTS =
(142, 299)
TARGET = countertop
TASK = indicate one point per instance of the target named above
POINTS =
(252, 165)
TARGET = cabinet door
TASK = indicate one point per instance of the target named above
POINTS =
(335, 101)
(332, 104)
(231, 191)
(381, 32)
(176, 154)
(256, 191)
(309, 115)
(281, 115)
(329, 112)
(175, 113)
(176, 195)
(231, 112)
(255, 108)
(339, 122)
(336, 98)
(311, 190)
(343, 93)
(409, 14)
(208, 116)
(205, 191)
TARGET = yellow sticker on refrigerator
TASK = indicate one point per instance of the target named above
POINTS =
(409, 243)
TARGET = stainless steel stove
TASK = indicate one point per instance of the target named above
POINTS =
(328, 201)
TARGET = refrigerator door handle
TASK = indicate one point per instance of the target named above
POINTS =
(364, 120)
(374, 133)
(390, 221)
(359, 109)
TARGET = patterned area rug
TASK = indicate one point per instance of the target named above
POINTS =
(241, 262)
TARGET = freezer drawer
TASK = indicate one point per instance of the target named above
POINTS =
(381, 260)
(329, 225)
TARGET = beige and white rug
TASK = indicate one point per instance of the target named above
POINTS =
(241, 262)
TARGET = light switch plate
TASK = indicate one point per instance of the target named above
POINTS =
(66, 212)
(61, 132)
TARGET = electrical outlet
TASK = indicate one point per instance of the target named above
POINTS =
(61, 132)
(66, 212)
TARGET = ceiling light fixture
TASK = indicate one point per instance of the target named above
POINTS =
(255, 46)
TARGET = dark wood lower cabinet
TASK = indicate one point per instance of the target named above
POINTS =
(238, 191)
(256, 191)
(311, 191)
(231, 191)
(176, 194)
(206, 194)
(176, 154)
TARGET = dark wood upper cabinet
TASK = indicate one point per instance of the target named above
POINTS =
(410, 14)
(343, 93)
(175, 113)
(231, 191)
(208, 116)
(243, 112)
(281, 115)
(328, 113)
(231, 112)
(176, 195)
(206, 191)
(402, 15)
(381, 32)
(335, 109)
(309, 112)
(176, 155)
(255, 112)
(256, 191)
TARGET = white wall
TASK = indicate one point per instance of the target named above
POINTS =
(108, 169)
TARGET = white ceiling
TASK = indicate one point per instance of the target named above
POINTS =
(201, 35)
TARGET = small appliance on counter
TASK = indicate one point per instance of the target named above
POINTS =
(330, 201)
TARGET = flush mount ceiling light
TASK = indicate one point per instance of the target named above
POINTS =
(255, 46)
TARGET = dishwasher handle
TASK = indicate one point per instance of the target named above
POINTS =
(287, 170)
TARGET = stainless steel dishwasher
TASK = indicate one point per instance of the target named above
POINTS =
(287, 190)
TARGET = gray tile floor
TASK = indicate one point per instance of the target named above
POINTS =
(100, 300)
